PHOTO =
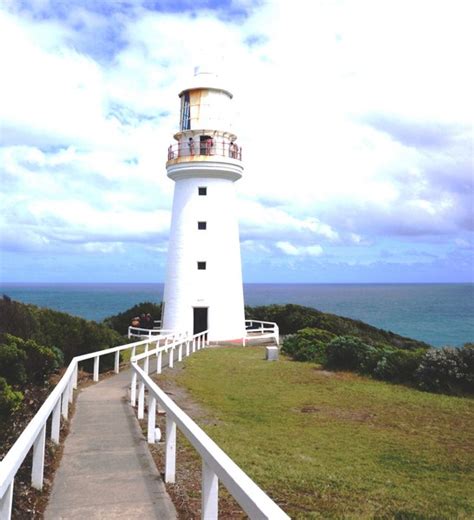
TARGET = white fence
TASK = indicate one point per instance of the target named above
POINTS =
(257, 330)
(215, 463)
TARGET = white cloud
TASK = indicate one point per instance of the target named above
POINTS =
(354, 128)
(292, 250)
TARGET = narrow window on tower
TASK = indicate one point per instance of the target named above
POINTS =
(185, 112)
(201, 266)
(202, 225)
(202, 190)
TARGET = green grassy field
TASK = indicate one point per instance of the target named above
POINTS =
(337, 445)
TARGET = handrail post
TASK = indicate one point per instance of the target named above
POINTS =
(141, 400)
(96, 368)
(159, 361)
(133, 389)
(64, 404)
(210, 493)
(37, 470)
(6, 502)
(180, 352)
(117, 362)
(187, 348)
(151, 418)
(171, 357)
(134, 352)
(75, 376)
(170, 450)
(146, 364)
(70, 390)
(56, 422)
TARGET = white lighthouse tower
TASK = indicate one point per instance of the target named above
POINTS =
(203, 287)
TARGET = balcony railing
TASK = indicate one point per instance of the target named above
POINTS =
(210, 147)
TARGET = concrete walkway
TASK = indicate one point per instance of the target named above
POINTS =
(106, 471)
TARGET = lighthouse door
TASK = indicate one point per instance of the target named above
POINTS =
(200, 319)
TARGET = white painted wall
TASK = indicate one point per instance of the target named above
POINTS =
(219, 287)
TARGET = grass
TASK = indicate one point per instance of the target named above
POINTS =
(337, 445)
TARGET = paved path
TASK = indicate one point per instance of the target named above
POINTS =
(106, 471)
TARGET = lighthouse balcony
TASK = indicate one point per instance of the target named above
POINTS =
(208, 150)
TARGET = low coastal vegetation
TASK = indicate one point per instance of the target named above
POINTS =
(329, 444)
(291, 318)
(35, 342)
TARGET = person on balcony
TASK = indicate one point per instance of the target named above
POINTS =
(209, 144)
(191, 146)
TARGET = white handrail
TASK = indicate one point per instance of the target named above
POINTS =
(264, 330)
(216, 464)
(139, 332)
(57, 403)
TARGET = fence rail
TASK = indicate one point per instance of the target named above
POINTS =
(34, 435)
(257, 330)
(210, 147)
(215, 463)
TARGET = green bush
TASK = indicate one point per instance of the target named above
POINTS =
(24, 361)
(10, 399)
(72, 335)
(307, 344)
(350, 353)
(12, 362)
(397, 365)
(448, 370)
(40, 361)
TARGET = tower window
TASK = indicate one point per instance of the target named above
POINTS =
(185, 120)
(202, 225)
(202, 190)
(201, 266)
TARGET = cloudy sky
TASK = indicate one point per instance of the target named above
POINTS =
(355, 117)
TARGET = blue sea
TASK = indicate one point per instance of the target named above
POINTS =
(439, 314)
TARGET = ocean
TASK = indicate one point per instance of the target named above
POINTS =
(439, 314)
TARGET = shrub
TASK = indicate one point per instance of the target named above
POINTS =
(12, 362)
(349, 353)
(10, 399)
(307, 345)
(25, 361)
(40, 361)
(397, 365)
(72, 335)
(448, 370)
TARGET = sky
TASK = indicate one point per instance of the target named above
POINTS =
(355, 118)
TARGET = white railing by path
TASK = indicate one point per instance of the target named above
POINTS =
(216, 464)
(34, 435)
(138, 332)
(256, 330)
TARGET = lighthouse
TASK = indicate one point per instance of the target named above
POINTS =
(203, 285)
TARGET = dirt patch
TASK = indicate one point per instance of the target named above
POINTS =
(337, 413)
(324, 373)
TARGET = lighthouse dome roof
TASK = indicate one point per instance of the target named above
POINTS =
(206, 77)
